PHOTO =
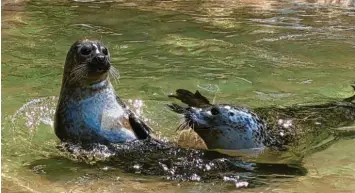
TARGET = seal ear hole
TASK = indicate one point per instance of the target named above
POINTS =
(214, 111)
(85, 50)
(104, 51)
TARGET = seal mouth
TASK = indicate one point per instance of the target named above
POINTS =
(100, 70)
(99, 64)
(194, 119)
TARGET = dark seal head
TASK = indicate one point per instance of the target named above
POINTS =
(220, 126)
(89, 111)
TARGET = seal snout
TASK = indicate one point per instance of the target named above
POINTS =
(100, 58)
(94, 54)
(100, 63)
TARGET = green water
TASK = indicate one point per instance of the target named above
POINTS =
(244, 52)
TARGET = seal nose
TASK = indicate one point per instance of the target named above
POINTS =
(100, 58)
(100, 63)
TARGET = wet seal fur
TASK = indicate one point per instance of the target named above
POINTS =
(89, 111)
(227, 126)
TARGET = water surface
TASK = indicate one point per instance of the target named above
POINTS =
(255, 53)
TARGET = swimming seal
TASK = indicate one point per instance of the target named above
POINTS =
(226, 126)
(89, 111)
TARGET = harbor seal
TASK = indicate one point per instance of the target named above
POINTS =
(226, 126)
(89, 111)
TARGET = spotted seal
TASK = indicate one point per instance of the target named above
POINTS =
(89, 111)
(226, 126)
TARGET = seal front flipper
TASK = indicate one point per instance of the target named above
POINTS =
(141, 129)
(193, 100)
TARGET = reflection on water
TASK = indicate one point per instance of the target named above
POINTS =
(250, 52)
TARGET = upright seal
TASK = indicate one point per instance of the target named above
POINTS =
(89, 111)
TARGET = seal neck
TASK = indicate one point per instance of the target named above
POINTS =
(99, 85)
(86, 88)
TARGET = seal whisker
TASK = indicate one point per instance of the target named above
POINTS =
(186, 126)
(115, 74)
(78, 73)
(112, 68)
(115, 80)
(193, 126)
(78, 68)
(180, 126)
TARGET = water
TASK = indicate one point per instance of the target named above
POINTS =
(256, 53)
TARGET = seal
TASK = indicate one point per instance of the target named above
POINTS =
(93, 120)
(227, 126)
(88, 110)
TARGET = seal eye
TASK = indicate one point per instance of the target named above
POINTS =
(214, 111)
(86, 50)
(104, 51)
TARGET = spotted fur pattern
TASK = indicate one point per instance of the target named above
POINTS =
(227, 127)
(297, 128)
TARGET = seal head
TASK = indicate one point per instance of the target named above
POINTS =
(87, 63)
(89, 111)
(227, 127)
(298, 128)
(220, 126)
